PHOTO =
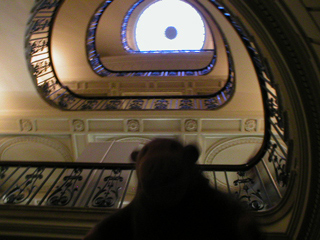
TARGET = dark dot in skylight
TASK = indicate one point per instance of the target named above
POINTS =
(171, 32)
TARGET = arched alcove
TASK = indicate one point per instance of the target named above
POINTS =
(34, 148)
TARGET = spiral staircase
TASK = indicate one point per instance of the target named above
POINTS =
(79, 86)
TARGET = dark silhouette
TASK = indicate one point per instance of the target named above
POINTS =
(174, 201)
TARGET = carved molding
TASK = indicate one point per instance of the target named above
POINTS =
(133, 125)
(26, 125)
(250, 125)
(78, 125)
(217, 148)
(140, 140)
(49, 142)
(191, 125)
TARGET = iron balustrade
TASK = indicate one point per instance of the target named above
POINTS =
(105, 185)
(63, 184)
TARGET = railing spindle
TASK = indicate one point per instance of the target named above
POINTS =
(83, 186)
(262, 185)
(215, 180)
(94, 188)
(5, 193)
(227, 180)
(125, 190)
(279, 145)
(40, 187)
(52, 186)
(10, 176)
(272, 179)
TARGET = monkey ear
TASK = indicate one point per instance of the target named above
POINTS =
(134, 155)
(191, 153)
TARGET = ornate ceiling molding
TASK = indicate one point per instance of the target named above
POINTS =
(191, 125)
(140, 140)
(49, 142)
(133, 125)
(221, 146)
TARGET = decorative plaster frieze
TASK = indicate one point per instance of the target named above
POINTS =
(140, 140)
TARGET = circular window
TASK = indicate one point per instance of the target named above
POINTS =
(169, 25)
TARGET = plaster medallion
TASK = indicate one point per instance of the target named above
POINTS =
(191, 125)
(26, 125)
(133, 125)
(250, 125)
(78, 125)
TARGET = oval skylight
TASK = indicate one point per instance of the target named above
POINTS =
(170, 25)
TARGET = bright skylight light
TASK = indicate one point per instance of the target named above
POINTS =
(170, 25)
